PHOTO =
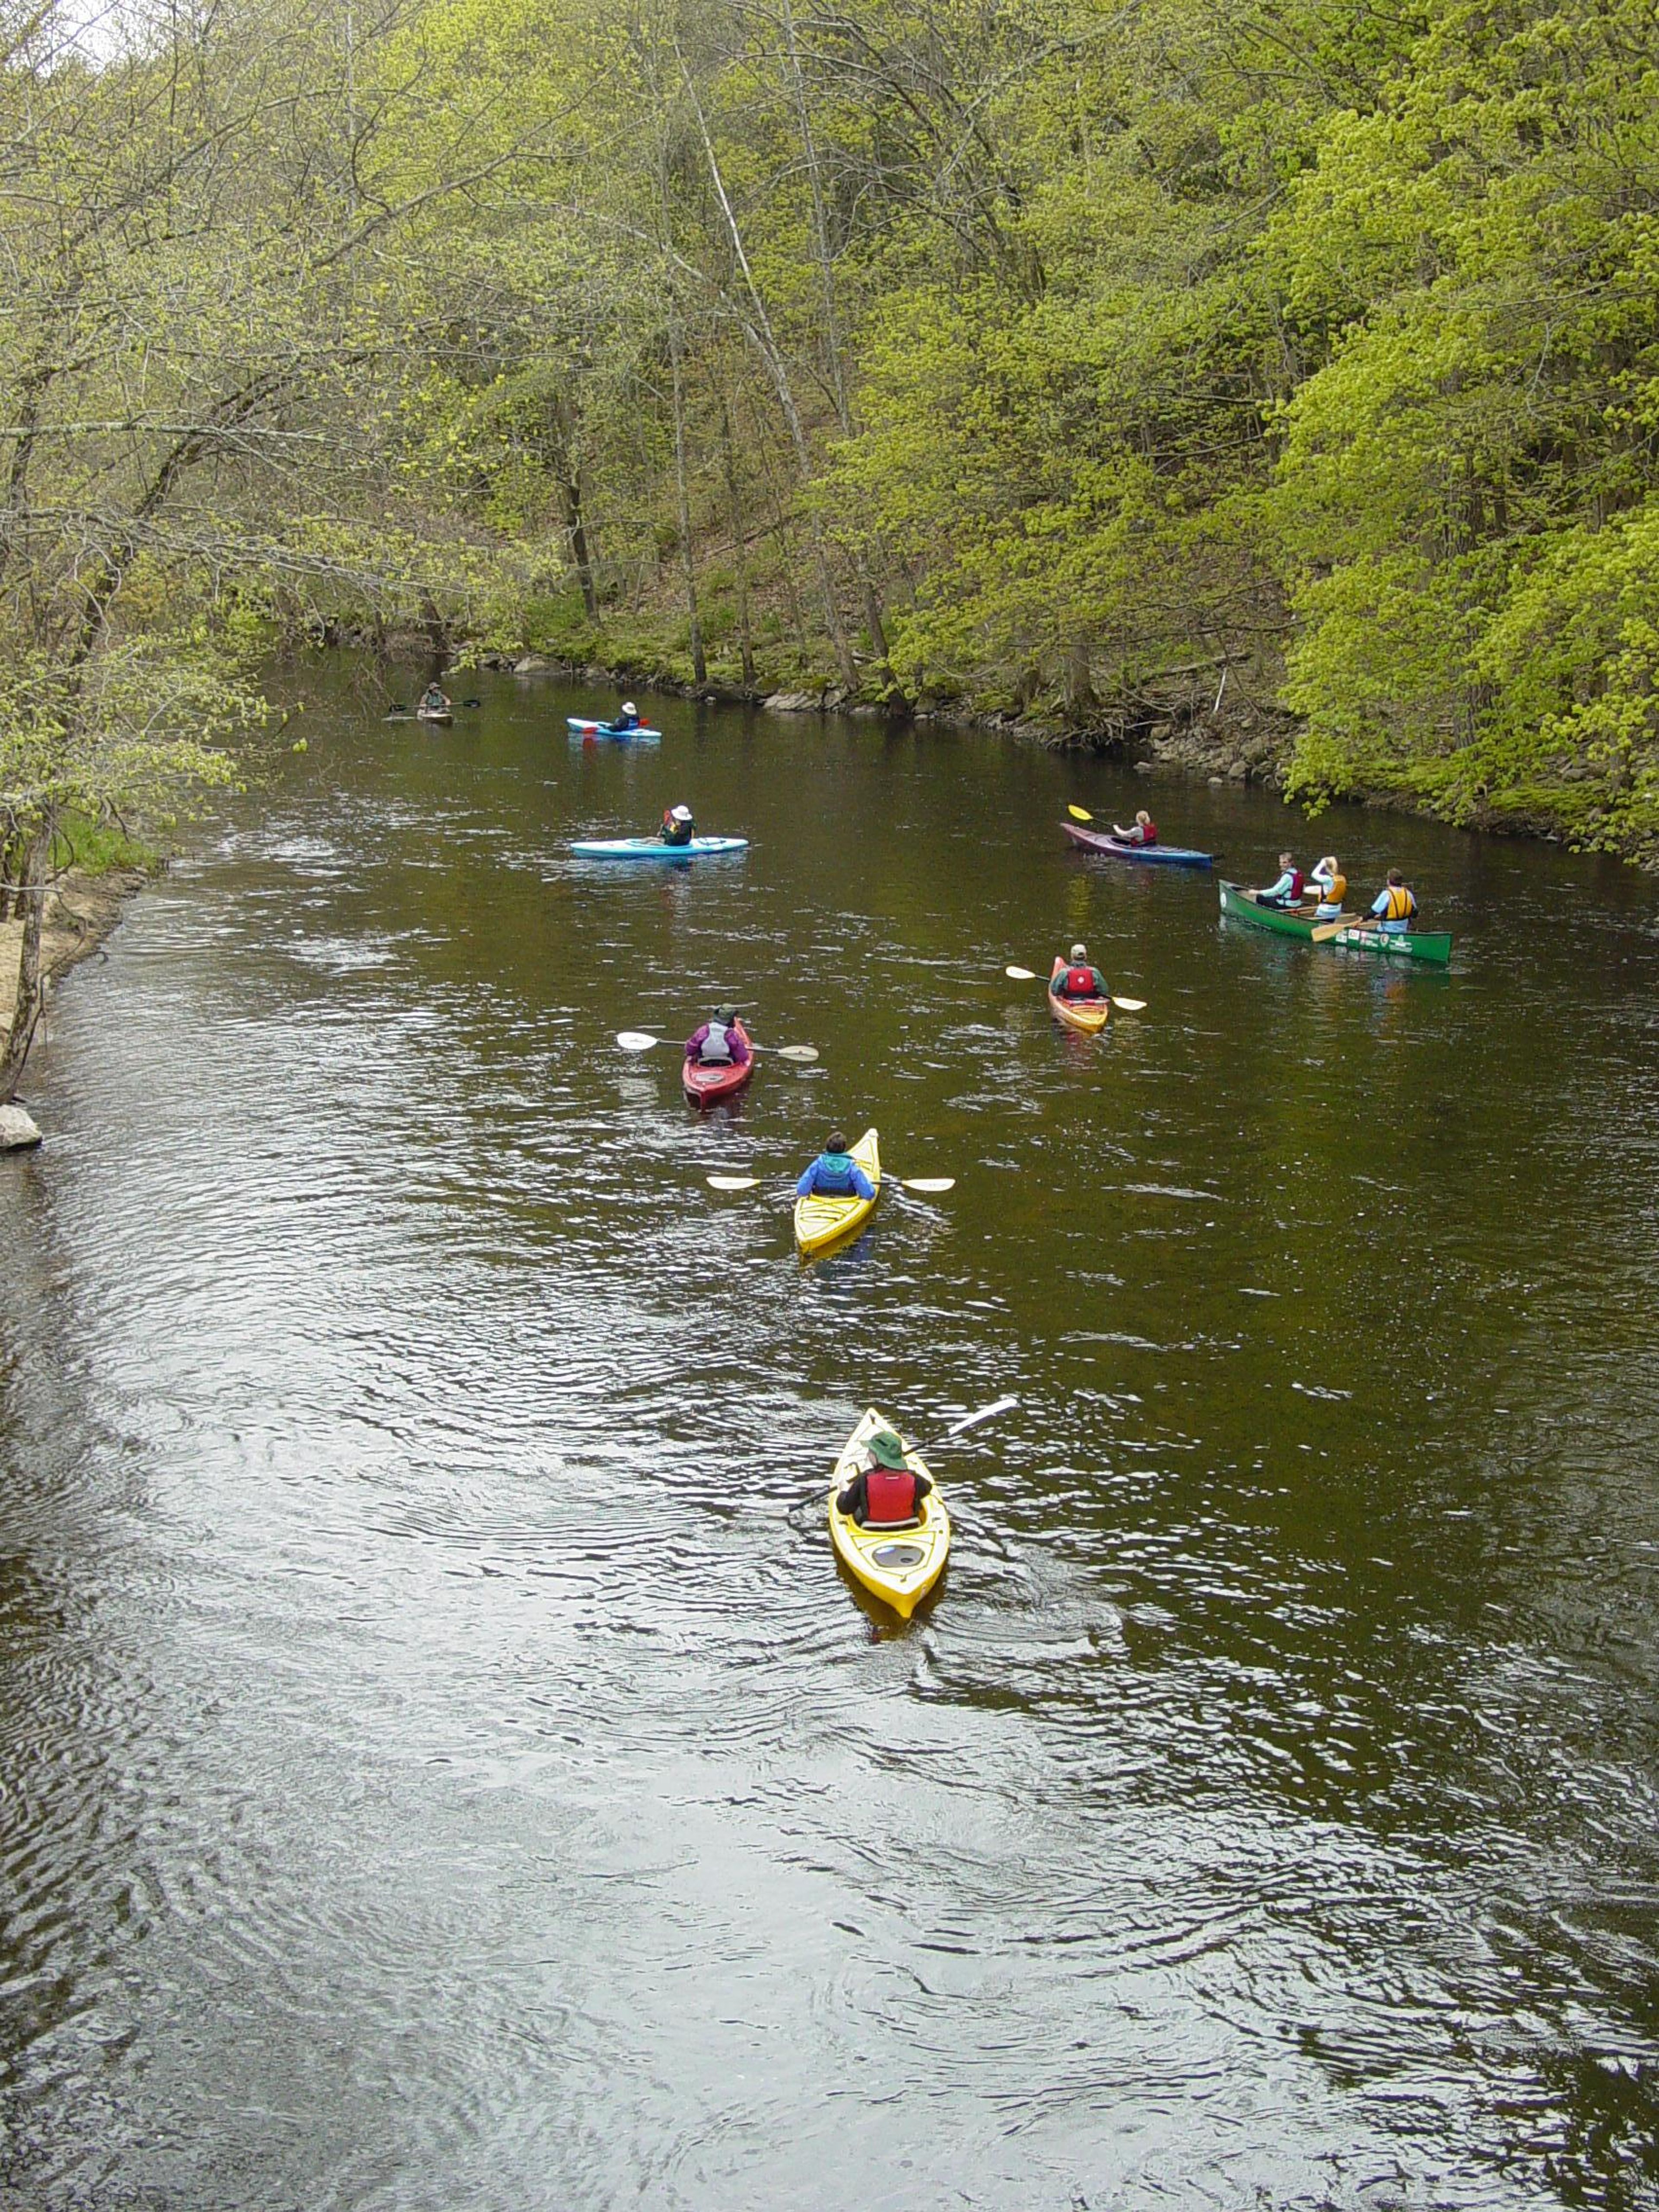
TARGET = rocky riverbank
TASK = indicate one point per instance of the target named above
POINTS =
(82, 909)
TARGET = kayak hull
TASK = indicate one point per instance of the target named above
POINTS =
(652, 848)
(1432, 946)
(898, 1565)
(433, 714)
(1168, 856)
(579, 729)
(822, 1222)
(1088, 1017)
(1239, 905)
(707, 1086)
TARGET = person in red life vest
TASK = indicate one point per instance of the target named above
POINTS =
(718, 1043)
(1078, 979)
(887, 1491)
(1287, 891)
(678, 827)
(1143, 831)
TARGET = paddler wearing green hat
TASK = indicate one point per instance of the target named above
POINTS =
(888, 1490)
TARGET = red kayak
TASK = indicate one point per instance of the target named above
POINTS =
(705, 1085)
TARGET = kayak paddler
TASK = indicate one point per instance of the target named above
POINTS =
(834, 1173)
(887, 1491)
(1287, 891)
(1395, 908)
(719, 1042)
(435, 700)
(1328, 880)
(1078, 979)
(677, 826)
(629, 718)
(1142, 832)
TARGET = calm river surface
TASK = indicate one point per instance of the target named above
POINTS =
(437, 1771)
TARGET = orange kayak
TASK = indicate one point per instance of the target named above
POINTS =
(1086, 1016)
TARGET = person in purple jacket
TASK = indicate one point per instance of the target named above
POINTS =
(719, 1042)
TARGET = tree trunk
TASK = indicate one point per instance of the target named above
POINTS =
(26, 1004)
(745, 640)
(1080, 687)
(688, 559)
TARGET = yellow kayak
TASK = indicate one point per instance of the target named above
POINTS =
(822, 1222)
(900, 1565)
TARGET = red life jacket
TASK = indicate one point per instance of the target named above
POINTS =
(1296, 884)
(1081, 983)
(1149, 833)
(889, 1497)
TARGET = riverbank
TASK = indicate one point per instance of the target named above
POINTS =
(83, 907)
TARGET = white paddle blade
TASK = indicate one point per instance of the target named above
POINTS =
(636, 1040)
(1130, 1006)
(927, 1182)
(985, 1413)
(1020, 974)
(798, 1052)
(733, 1183)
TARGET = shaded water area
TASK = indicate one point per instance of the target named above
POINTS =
(437, 1770)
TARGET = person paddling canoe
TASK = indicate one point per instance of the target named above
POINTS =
(1142, 832)
(1395, 908)
(677, 826)
(719, 1042)
(835, 1174)
(887, 1491)
(1328, 880)
(1287, 891)
(1077, 978)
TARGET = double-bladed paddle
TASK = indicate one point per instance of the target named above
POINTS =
(926, 1451)
(926, 1184)
(641, 1041)
(1030, 975)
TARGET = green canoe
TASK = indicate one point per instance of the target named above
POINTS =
(1433, 946)
(1241, 905)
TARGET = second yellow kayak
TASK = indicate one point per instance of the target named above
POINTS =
(822, 1222)
(900, 1565)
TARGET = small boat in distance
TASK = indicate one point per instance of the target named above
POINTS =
(1168, 856)
(653, 848)
(579, 729)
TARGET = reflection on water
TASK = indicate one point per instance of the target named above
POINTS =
(442, 1764)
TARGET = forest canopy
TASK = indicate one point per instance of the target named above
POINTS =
(999, 353)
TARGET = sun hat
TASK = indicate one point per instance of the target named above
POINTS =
(1079, 953)
(629, 707)
(886, 1449)
(680, 813)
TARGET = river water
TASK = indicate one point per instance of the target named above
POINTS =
(438, 1770)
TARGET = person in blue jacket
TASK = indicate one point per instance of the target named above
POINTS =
(835, 1174)
(1287, 891)
(629, 718)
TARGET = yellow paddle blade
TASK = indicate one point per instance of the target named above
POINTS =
(733, 1183)
(1130, 1006)
(927, 1182)
(1021, 975)
(1079, 814)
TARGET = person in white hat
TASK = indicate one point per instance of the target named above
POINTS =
(629, 718)
(678, 827)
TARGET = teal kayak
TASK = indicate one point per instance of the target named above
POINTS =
(652, 848)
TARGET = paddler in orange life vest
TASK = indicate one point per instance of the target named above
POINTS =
(1328, 880)
(1287, 891)
(887, 1491)
(1143, 831)
(1078, 979)
(1393, 907)
(677, 826)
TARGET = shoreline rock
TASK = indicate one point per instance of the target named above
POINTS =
(82, 911)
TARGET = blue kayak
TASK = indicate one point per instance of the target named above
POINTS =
(578, 728)
(652, 848)
(1172, 856)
